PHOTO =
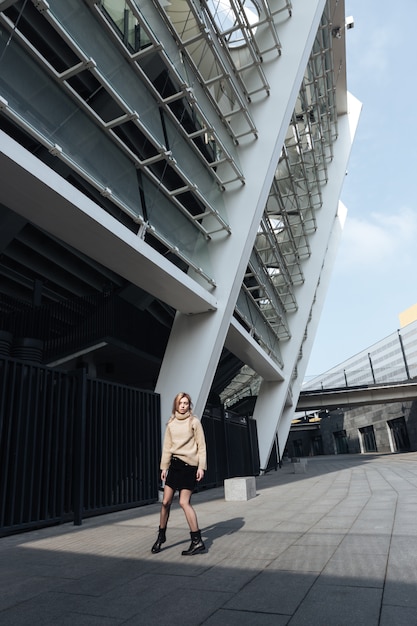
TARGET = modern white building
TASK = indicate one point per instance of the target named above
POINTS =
(189, 157)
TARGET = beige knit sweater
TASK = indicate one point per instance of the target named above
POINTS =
(184, 438)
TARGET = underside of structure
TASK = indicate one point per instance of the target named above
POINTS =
(170, 174)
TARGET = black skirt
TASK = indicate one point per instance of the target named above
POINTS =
(181, 475)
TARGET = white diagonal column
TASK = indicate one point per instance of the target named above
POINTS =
(272, 411)
(196, 341)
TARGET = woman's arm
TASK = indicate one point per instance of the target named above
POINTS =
(166, 449)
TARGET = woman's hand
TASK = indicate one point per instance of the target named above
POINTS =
(163, 475)
(200, 475)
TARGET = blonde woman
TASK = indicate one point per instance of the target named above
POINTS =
(183, 463)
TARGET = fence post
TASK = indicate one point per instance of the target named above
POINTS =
(79, 447)
(407, 371)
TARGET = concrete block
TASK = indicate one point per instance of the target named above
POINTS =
(239, 488)
(299, 466)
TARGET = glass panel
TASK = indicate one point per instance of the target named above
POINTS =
(262, 331)
(129, 29)
(33, 95)
(82, 26)
(174, 227)
(232, 23)
(190, 164)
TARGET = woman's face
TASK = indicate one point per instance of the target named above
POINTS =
(183, 405)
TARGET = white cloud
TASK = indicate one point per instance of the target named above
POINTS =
(378, 243)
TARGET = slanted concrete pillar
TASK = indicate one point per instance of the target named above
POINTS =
(276, 400)
(196, 341)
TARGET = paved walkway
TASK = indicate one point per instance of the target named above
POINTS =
(334, 546)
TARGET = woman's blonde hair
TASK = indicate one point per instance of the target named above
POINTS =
(178, 399)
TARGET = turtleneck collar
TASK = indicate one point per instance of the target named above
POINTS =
(182, 416)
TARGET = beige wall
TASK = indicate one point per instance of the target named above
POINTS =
(408, 316)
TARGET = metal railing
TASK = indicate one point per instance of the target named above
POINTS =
(72, 447)
(232, 446)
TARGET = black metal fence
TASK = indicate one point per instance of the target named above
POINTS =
(232, 446)
(71, 447)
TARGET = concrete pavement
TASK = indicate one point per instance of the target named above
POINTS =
(335, 546)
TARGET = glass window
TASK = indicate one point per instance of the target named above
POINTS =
(231, 23)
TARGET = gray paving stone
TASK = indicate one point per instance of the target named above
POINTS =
(33, 616)
(255, 545)
(229, 575)
(398, 616)
(339, 606)
(314, 538)
(273, 592)
(354, 543)
(339, 523)
(399, 591)
(355, 570)
(406, 527)
(295, 526)
(20, 588)
(187, 607)
(297, 558)
(56, 609)
(227, 617)
(334, 546)
(372, 527)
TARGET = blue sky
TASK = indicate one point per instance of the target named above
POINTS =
(374, 278)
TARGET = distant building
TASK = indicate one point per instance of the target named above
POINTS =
(408, 316)
(380, 428)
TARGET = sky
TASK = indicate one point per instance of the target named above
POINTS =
(374, 278)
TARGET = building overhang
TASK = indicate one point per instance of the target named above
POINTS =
(242, 345)
(40, 195)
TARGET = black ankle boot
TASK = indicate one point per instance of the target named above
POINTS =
(196, 544)
(159, 540)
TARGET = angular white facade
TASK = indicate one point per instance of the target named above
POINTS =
(197, 151)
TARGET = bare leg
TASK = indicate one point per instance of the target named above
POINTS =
(190, 514)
